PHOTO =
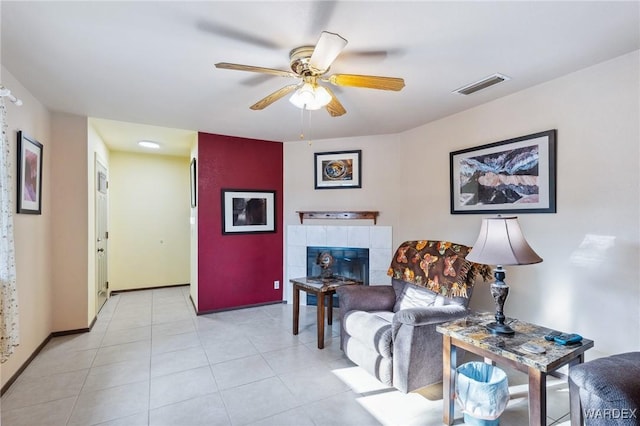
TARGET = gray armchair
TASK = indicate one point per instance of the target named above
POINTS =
(606, 391)
(390, 331)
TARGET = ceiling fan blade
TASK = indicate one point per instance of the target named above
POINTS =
(368, 81)
(278, 94)
(322, 12)
(239, 67)
(326, 51)
(237, 34)
(334, 107)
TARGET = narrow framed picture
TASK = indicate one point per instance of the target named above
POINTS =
(248, 211)
(194, 182)
(29, 175)
(339, 169)
(513, 176)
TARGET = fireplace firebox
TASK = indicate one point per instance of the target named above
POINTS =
(348, 262)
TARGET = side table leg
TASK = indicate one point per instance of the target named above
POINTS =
(449, 363)
(320, 320)
(575, 407)
(296, 308)
(330, 308)
(537, 397)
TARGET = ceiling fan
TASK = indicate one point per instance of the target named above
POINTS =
(310, 64)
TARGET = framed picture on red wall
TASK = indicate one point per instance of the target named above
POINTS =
(248, 211)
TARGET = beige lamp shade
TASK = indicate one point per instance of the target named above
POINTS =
(501, 242)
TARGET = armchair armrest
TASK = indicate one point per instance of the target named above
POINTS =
(429, 315)
(366, 298)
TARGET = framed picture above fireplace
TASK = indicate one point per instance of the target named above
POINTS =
(338, 169)
(248, 211)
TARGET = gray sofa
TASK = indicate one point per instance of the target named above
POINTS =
(390, 331)
(606, 391)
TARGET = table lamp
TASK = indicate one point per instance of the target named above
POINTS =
(501, 242)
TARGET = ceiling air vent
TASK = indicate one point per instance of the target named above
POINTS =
(482, 84)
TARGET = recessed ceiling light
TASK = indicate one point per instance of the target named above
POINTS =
(149, 144)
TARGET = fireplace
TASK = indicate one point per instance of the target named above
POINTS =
(377, 239)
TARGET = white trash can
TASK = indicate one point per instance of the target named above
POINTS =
(482, 391)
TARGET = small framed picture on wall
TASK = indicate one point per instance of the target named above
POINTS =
(29, 175)
(340, 169)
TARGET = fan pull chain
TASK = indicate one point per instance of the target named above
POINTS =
(302, 124)
(309, 125)
(302, 116)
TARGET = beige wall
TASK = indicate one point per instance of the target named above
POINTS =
(589, 281)
(381, 179)
(149, 211)
(32, 233)
(70, 222)
(51, 248)
(590, 278)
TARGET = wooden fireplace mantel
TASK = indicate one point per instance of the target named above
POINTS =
(338, 215)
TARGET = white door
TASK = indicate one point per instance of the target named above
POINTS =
(102, 235)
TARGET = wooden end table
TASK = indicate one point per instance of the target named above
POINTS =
(321, 287)
(470, 334)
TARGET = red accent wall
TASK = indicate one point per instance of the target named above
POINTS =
(237, 270)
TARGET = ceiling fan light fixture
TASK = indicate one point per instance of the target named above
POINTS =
(310, 96)
(322, 96)
(309, 65)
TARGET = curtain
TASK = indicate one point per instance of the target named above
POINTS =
(9, 337)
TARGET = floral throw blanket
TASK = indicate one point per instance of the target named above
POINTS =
(439, 266)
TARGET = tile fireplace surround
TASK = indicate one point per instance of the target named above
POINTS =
(378, 239)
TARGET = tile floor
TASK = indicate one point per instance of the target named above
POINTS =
(149, 360)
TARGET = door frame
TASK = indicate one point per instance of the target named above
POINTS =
(101, 242)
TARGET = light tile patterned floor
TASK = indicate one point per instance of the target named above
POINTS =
(149, 360)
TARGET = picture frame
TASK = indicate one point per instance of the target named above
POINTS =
(29, 167)
(338, 169)
(512, 176)
(248, 211)
(193, 178)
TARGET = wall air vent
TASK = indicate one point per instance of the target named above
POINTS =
(482, 84)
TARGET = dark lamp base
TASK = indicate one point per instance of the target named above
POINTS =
(495, 328)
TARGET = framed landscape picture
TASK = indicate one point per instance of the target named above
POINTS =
(512, 176)
(341, 169)
(248, 211)
(29, 175)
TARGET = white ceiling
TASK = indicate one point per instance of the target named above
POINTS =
(153, 62)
